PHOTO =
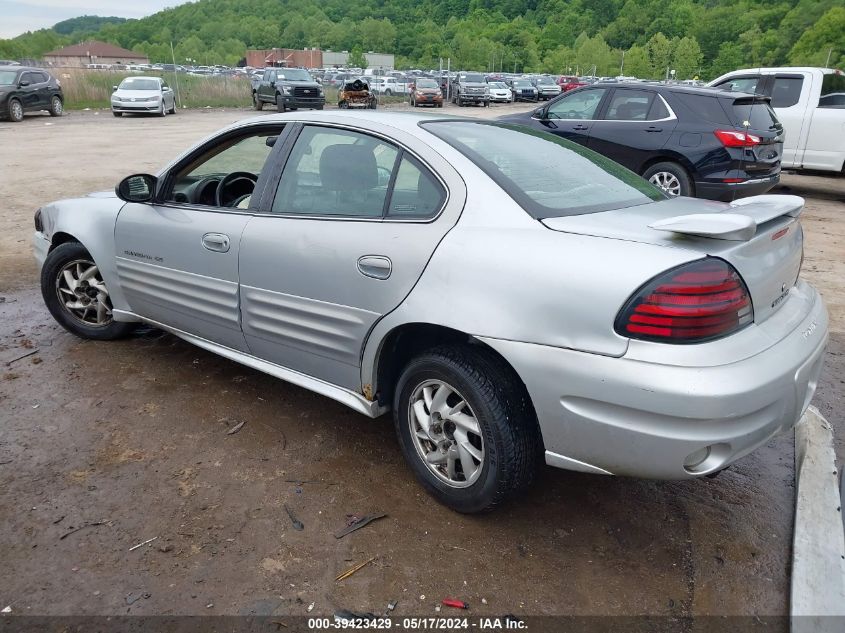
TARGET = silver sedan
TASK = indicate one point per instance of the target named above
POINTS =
(143, 95)
(511, 297)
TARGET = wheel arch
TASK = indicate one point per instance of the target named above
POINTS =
(405, 341)
(61, 237)
(671, 157)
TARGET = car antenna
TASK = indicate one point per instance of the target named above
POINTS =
(747, 123)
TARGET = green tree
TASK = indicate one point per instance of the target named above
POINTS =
(659, 51)
(357, 59)
(686, 58)
(637, 63)
(825, 36)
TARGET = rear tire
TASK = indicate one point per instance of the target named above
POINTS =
(71, 260)
(56, 106)
(671, 178)
(505, 442)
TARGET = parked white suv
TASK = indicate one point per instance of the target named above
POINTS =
(389, 86)
(810, 103)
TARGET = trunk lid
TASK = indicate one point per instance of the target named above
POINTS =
(754, 115)
(760, 236)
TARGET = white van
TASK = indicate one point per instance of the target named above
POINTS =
(810, 103)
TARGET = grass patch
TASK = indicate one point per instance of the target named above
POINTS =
(85, 88)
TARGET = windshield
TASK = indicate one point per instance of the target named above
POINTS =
(497, 84)
(293, 74)
(7, 77)
(473, 78)
(139, 83)
(522, 84)
(546, 175)
(427, 83)
(545, 80)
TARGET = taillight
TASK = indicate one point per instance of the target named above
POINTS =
(700, 301)
(734, 138)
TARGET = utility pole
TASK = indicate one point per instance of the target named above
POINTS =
(175, 75)
(622, 65)
(827, 63)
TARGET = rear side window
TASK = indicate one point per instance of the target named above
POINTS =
(755, 115)
(416, 193)
(833, 91)
(703, 107)
(546, 175)
(786, 91)
(629, 105)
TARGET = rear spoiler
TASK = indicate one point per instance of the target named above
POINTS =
(738, 223)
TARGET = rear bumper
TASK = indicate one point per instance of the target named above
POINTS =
(726, 192)
(631, 417)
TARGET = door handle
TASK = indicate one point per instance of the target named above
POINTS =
(652, 128)
(216, 242)
(581, 127)
(375, 266)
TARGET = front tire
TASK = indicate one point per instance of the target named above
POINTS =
(671, 178)
(56, 106)
(280, 103)
(15, 111)
(466, 427)
(257, 103)
(76, 295)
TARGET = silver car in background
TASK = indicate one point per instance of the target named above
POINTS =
(143, 95)
(512, 297)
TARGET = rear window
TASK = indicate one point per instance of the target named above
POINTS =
(755, 115)
(833, 91)
(546, 175)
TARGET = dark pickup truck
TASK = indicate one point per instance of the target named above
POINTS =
(287, 89)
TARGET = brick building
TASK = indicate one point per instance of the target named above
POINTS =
(94, 52)
(291, 58)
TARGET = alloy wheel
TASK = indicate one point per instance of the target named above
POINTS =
(16, 110)
(667, 181)
(446, 433)
(83, 294)
(56, 106)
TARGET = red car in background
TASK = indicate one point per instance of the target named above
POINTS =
(568, 82)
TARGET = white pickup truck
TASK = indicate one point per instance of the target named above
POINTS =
(810, 102)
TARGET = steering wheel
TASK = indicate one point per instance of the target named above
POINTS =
(241, 177)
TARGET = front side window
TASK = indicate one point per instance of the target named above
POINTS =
(546, 175)
(225, 174)
(629, 105)
(786, 91)
(582, 105)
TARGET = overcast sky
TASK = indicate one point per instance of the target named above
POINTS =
(19, 16)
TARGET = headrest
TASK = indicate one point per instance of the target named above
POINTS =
(348, 168)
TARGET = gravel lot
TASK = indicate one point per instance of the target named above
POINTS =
(130, 439)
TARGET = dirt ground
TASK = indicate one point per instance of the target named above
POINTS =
(127, 441)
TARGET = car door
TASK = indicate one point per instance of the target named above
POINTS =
(267, 87)
(571, 116)
(168, 96)
(790, 94)
(343, 237)
(635, 123)
(28, 91)
(177, 257)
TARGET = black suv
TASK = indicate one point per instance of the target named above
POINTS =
(689, 141)
(287, 89)
(24, 89)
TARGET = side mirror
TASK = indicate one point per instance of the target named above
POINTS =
(114, 88)
(23, 84)
(137, 188)
(539, 113)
